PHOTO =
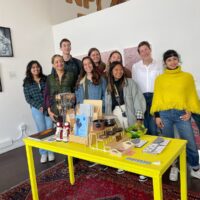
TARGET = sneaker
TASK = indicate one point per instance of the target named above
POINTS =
(195, 174)
(173, 175)
(142, 178)
(92, 164)
(51, 156)
(120, 171)
(103, 167)
(43, 158)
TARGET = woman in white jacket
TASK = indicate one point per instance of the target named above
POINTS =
(123, 98)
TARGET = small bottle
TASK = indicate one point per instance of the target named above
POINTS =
(59, 131)
(66, 130)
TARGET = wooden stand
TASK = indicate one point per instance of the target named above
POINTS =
(96, 137)
(77, 139)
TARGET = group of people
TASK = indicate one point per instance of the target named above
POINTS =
(158, 95)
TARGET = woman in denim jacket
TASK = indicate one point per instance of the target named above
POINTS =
(90, 84)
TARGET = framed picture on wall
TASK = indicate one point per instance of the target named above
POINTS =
(0, 84)
(5, 42)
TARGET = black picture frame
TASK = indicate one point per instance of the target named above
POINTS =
(0, 85)
(6, 49)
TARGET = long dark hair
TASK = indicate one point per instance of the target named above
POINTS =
(95, 75)
(29, 76)
(113, 52)
(110, 88)
(95, 49)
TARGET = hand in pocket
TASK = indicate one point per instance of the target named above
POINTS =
(186, 116)
(159, 122)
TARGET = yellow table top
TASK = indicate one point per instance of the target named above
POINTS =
(166, 157)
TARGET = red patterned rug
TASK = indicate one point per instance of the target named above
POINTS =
(91, 184)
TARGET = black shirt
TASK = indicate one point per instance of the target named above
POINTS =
(121, 95)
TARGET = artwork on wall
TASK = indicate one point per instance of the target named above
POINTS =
(0, 84)
(105, 55)
(86, 4)
(5, 42)
(131, 56)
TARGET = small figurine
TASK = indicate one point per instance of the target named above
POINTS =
(66, 131)
(59, 131)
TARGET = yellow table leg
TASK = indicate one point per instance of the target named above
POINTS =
(183, 174)
(31, 169)
(157, 188)
(71, 170)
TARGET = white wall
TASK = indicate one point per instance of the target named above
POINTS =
(165, 24)
(30, 22)
(32, 39)
(62, 11)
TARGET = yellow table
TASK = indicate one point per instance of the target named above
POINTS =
(175, 148)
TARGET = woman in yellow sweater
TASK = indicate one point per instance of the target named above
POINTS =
(175, 98)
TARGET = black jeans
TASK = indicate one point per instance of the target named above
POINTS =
(149, 122)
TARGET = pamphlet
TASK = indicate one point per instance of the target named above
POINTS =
(157, 146)
(87, 110)
(81, 126)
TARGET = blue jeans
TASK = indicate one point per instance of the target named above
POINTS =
(42, 122)
(171, 118)
(149, 122)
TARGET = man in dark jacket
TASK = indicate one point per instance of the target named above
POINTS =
(71, 64)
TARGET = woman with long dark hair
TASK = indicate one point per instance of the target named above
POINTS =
(90, 84)
(34, 84)
(95, 55)
(117, 56)
(123, 97)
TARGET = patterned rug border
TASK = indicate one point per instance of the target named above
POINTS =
(175, 188)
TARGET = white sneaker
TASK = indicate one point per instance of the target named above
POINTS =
(120, 171)
(142, 178)
(43, 158)
(51, 156)
(173, 175)
(92, 164)
(195, 174)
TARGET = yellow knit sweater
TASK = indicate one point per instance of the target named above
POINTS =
(175, 89)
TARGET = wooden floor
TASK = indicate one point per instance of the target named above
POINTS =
(13, 168)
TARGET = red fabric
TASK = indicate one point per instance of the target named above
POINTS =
(92, 184)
